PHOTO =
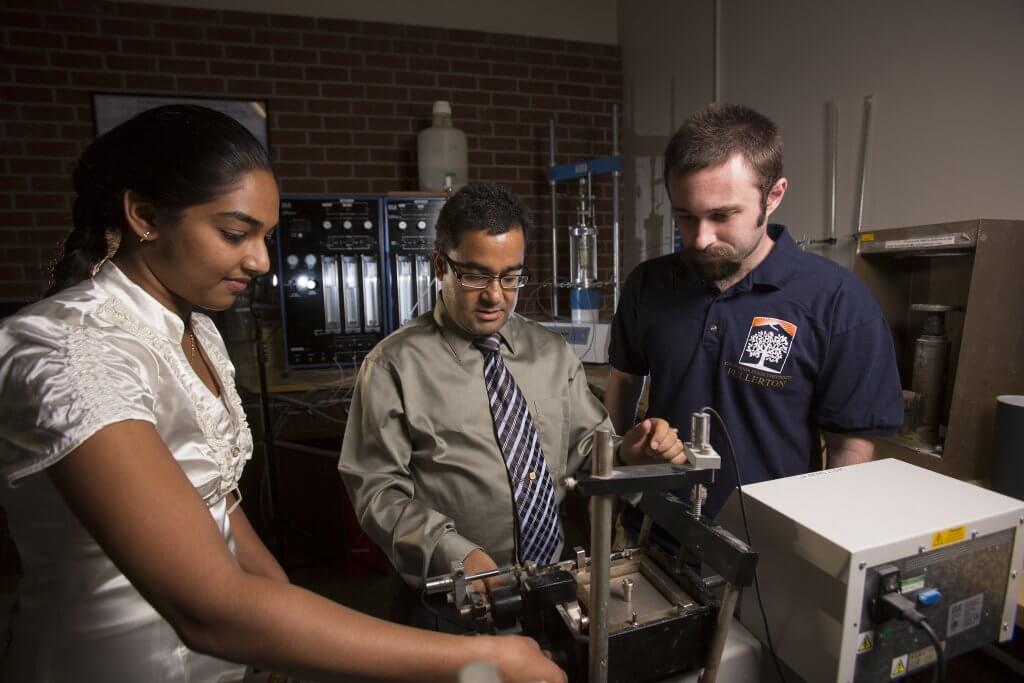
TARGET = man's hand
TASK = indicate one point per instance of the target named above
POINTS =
(478, 562)
(652, 441)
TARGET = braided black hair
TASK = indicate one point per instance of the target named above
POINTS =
(174, 157)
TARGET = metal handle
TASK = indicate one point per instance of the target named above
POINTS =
(600, 564)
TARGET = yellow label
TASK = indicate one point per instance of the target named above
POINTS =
(940, 538)
(899, 667)
(865, 643)
(867, 237)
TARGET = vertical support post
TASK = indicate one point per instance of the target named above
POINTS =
(714, 661)
(600, 561)
(616, 279)
(865, 133)
(716, 76)
(554, 221)
(833, 173)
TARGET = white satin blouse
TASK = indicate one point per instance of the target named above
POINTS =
(97, 353)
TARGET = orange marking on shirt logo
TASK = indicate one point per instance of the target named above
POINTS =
(789, 327)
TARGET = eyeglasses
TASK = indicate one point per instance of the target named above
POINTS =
(480, 281)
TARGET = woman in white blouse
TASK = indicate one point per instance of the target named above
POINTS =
(122, 440)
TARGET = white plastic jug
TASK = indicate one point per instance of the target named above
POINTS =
(442, 152)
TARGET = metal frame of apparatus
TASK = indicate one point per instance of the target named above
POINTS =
(575, 171)
(553, 587)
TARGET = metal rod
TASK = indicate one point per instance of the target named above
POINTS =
(714, 661)
(700, 430)
(865, 133)
(554, 229)
(615, 211)
(717, 37)
(591, 212)
(600, 564)
(446, 582)
(833, 172)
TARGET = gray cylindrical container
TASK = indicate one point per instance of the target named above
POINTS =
(1008, 454)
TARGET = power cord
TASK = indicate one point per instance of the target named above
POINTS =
(746, 529)
(896, 606)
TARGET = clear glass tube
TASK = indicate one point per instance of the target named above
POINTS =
(332, 302)
(371, 294)
(404, 282)
(582, 255)
(424, 285)
(350, 288)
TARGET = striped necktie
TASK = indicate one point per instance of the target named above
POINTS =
(533, 491)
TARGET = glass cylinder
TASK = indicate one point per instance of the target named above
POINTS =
(371, 294)
(582, 255)
(350, 290)
(406, 288)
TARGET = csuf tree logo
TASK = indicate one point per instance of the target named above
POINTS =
(768, 344)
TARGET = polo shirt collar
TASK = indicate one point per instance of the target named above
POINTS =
(778, 267)
(460, 341)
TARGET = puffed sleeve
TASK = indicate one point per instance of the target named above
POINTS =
(61, 384)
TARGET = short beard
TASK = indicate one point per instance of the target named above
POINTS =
(713, 271)
(728, 262)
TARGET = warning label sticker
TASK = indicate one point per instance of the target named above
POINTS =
(922, 657)
(867, 642)
(921, 242)
(941, 538)
(964, 615)
(899, 666)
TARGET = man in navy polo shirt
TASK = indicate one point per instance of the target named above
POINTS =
(787, 346)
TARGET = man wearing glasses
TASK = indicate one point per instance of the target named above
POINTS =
(465, 422)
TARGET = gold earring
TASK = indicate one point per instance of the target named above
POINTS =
(144, 236)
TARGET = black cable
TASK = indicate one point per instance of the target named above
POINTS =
(15, 606)
(940, 651)
(266, 415)
(746, 529)
(897, 606)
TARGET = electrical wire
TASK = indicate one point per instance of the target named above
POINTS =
(746, 529)
(940, 651)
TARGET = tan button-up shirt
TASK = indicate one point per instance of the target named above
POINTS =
(420, 459)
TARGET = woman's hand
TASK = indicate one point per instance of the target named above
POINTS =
(520, 660)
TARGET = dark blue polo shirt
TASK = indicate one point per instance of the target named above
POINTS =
(799, 345)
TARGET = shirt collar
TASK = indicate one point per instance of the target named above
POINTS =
(778, 267)
(138, 304)
(460, 341)
(772, 273)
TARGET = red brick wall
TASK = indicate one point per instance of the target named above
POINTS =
(346, 100)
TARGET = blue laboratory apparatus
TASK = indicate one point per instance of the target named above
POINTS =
(584, 331)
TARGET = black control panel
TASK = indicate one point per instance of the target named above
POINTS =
(331, 276)
(409, 237)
